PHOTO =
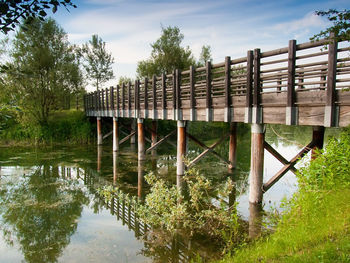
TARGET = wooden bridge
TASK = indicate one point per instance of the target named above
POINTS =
(301, 84)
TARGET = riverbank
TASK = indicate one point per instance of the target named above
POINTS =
(316, 224)
(66, 126)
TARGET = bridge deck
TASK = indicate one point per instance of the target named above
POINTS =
(301, 84)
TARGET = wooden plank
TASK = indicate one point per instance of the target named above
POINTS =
(174, 90)
(178, 88)
(208, 149)
(160, 141)
(277, 155)
(137, 96)
(107, 99)
(127, 137)
(112, 98)
(287, 167)
(256, 111)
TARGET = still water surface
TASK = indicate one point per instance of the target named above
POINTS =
(50, 210)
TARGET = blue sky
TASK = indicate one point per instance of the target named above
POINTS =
(230, 27)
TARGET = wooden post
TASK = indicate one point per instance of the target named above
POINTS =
(233, 145)
(115, 135)
(317, 138)
(137, 99)
(117, 102)
(174, 95)
(146, 98)
(181, 148)
(256, 112)
(227, 113)
(154, 96)
(291, 110)
(129, 99)
(256, 164)
(141, 140)
(178, 111)
(192, 95)
(208, 100)
(330, 119)
(123, 100)
(112, 99)
(164, 114)
(249, 93)
(99, 131)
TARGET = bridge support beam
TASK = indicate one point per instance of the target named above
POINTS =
(317, 138)
(181, 148)
(154, 135)
(141, 140)
(99, 131)
(256, 163)
(232, 156)
(115, 135)
(133, 128)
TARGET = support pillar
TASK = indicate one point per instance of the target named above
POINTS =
(154, 135)
(99, 157)
(232, 156)
(255, 220)
(115, 167)
(141, 140)
(181, 151)
(140, 179)
(133, 128)
(256, 163)
(99, 131)
(115, 135)
(317, 137)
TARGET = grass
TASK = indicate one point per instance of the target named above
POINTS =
(316, 226)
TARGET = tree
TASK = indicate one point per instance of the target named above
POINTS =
(44, 68)
(98, 62)
(11, 11)
(340, 27)
(125, 79)
(167, 54)
(205, 55)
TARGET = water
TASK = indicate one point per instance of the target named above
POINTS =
(50, 209)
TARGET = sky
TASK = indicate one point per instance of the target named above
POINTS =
(230, 27)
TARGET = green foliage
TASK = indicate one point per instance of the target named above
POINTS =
(11, 11)
(124, 79)
(315, 225)
(63, 126)
(191, 209)
(340, 27)
(167, 55)
(204, 56)
(330, 169)
(98, 62)
(44, 68)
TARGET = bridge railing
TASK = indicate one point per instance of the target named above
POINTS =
(282, 77)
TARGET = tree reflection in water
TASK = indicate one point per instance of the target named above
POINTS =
(40, 212)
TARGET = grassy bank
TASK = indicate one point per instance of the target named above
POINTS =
(68, 126)
(316, 225)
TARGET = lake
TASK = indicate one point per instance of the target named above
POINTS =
(51, 211)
